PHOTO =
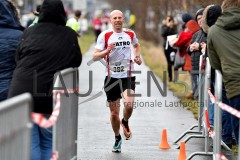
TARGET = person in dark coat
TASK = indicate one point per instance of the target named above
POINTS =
(46, 47)
(223, 51)
(210, 16)
(194, 50)
(168, 28)
(10, 35)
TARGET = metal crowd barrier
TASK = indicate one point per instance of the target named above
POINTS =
(217, 142)
(203, 120)
(15, 127)
(65, 129)
(216, 134)
(204, 98)
(199, 132)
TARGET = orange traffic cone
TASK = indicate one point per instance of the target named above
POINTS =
(182, 153)
(164, 143)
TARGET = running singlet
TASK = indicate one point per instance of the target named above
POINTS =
(119, 59)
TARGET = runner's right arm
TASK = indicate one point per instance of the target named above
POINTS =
(98, 54)
(102, 53)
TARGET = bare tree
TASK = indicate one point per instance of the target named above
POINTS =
(160, 8)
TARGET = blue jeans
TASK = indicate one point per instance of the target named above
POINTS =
(235, 103)
(211, 113)
(226, 119)
(195, 82)
(41, 147)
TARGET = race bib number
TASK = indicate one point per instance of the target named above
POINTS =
(119, 67)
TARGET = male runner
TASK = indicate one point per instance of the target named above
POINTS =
(114, 45)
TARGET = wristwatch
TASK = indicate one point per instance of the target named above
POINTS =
(137, 56)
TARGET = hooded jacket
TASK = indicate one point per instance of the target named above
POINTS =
(10, 34)
(45, 48)
(224, 49)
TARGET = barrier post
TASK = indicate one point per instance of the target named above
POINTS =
(200, 93)
(65, 129)
(207, 101)
(15, 127)
(204, 98)
(217, 115)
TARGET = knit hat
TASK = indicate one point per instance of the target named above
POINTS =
(198, 13)
(213, 13)
(192, 26)
(186, 17)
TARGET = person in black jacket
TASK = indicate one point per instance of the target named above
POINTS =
(168, 28)
(46, 47)
(194, 50)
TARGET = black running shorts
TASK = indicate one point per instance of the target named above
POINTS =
(113, 89)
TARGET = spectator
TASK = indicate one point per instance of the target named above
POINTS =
(73, 22)
(97, 25)
(210, 16)
(132, 21)
(10, 34)
(168, 28)
(83, 24)
(106, 25)
(185, 18)
(194, 50)
(183, 43)
(36, 13)
(223, 51)
(46, 48)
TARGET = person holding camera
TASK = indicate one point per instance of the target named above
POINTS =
(168, 28)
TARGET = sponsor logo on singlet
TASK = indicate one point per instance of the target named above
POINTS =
(123, 43)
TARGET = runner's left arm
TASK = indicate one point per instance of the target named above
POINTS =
(136, 49)
(136, 52)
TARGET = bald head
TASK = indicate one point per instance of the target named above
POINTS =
(117, 19)
(116, 12)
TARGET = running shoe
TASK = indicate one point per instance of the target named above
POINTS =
(117, 146)
(126, 130)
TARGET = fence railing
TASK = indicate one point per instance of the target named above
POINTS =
(203, 119)
(65, 128)
(217, 116)
(15, 127)
(199, 133)
(204, 84)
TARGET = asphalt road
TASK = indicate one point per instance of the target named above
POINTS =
(151, 115)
